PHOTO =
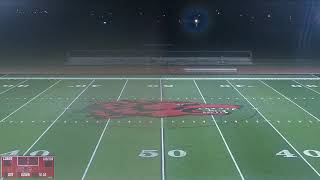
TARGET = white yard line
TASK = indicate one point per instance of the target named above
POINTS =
(168, 78)
(35, 97)
(276, 130)
(220, 132)
(307, 87)
(100, 139)
(290, 100)
(13, 86)
(57, 118)
(163, 175)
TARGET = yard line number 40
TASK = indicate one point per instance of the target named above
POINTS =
(287, 154)
(34, 153)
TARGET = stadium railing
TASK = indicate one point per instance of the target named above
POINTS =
(160, 58)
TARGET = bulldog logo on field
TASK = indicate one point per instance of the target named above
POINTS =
(127, 108)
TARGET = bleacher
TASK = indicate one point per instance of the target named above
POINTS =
(157, 58)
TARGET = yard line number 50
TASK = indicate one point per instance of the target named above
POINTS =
(176, 153)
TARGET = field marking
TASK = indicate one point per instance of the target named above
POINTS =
(49, 127)
(168, 78)
(4, 76)
(220, 132)
(163, 177)
(13, 87)
(290, 100)
(275, 130)
(101, 136)
(306, 87)
(29, 101)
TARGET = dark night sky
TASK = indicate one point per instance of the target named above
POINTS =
(286, 26)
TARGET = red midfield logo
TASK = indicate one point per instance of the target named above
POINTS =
(125, 108)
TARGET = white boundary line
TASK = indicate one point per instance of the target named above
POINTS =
(276, 130)
(13, 87)
(306, 87)
(220, 132)
(58, 118)
(163, 175)
(100, 139)
(29, 101)
(290, 100)
(168, 78)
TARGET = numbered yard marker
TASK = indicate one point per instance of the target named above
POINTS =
(40, 153)
(225, 86)
(237, 85)
(311, 86)
(96, 85)
(286, 153)
(177, 153)
(296, 86)
(168, 85)
(312, 153)
(11, 153)
(149, 153)
(8, 85)
(78, 86)
(35, 153)
(23, 86)
(153, 86)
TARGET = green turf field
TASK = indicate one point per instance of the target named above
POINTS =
(232, 128)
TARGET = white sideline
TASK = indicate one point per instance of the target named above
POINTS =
(220, 132)
(29, 101)
(290, 100)
(57, 118)
(100, 139)
(163, 175)
(168, 78)
(306, 87)
(276, 130)
(13, 87)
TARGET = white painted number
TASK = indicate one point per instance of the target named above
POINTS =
(177, 153)
(40, 153)
(312, 86)
(168, 85)
(11, 85)
(312, 153)
(155, 153)
(11, 153)
(35, 153)
(296, 86)
(225, 86)
(78, 86)
(286, 153)
(96, 85)
(149, 153)
(237, 85)
(23, 85)
(153, 86)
